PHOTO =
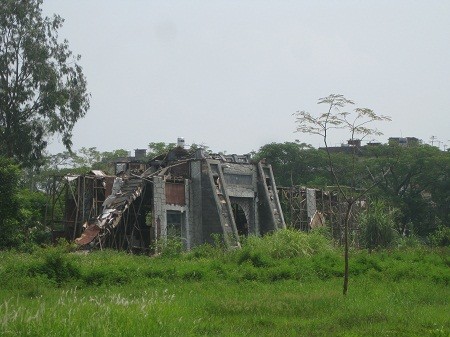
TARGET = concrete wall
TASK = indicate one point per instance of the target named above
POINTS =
(195, 206)
(210, 214)
(203, 212)
(242, 189)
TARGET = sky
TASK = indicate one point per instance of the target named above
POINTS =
(229, 74)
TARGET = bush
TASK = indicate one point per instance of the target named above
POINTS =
(409, 241)
(170, 247)
(56, 266)
(378, 226)
(441, 237)
(31, 215)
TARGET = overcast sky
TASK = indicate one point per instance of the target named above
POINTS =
(229, 74)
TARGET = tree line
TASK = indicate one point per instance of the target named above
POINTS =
(416, 182)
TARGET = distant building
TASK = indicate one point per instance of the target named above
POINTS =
(355, 146)
(351, 146)
(404, 141)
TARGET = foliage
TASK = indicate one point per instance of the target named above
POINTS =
(56, 266)
(356, 123)
(9, 204)
(75, 162)
(42, 86)
(296, 164)
(416, 182)
(84, 159)
(441, 237)
(21, 211)
(107, 157)
(159, 148)
(170, 247)
(378, 226)
(31, 216)
(156, 149)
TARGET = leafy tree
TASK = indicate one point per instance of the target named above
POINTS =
(107, 157)
(296, 164)
(356, 123)
(9, 205)
(30, 218)
(21, 211)
(111, 155)
(159, 148)
(417, 182)
(42, 86)
(73, 162)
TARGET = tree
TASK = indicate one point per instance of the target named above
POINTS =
(159, 148)
(42, 86)
(417, 181)
(295, 164)
(356, 123)
(73, 162)
(156, 149)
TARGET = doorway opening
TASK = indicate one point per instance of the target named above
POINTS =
(240, 219)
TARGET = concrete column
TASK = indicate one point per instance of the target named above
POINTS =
(159, 208)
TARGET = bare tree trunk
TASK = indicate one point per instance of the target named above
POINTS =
(346, 225)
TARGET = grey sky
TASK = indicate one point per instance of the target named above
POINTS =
(230, 74)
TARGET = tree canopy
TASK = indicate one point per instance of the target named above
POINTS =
(42, 86)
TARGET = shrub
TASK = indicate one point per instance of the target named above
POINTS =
(57, 266)
(170, 247)
(378, 226)
(409, 241)
(441, 237)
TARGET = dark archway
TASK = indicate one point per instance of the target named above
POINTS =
(240, 219)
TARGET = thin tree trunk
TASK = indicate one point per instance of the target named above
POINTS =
(346, 223)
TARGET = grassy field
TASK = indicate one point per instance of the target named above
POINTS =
(285, 285)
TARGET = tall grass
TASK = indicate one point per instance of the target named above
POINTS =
(378, 226)
(287, 283)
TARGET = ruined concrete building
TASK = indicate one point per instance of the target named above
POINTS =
(190, 195)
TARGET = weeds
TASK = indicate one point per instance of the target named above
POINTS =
(271, 286)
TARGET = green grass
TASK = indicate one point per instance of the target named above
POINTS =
(266, 289)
